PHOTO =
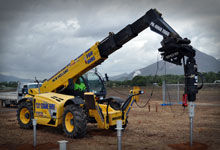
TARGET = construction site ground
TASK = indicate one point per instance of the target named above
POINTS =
(151, 128)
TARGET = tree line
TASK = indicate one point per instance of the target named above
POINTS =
(9, 84)
(209, 77)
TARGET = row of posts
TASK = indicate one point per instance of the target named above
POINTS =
(62, 144)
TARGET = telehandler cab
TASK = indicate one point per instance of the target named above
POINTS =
(57, 102)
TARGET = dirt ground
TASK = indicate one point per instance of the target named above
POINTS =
(166, 129)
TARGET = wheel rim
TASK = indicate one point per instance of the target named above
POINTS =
(25, 115)
(69, 122)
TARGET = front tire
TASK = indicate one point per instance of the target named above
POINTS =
(74, 122)
(25, 115)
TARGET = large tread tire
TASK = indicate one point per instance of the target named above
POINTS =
(29, 109)
(79, 122)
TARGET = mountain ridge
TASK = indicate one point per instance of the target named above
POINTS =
(8, 78)
(205, 62)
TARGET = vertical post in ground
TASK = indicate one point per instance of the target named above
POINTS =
(164, 92)
(191, 117)
(34, 122)
(119, 128)
(62, 144)
(178, 92)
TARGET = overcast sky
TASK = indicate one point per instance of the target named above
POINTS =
(39, 37)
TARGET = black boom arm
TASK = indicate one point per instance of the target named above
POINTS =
(174, 48)
(151, 19)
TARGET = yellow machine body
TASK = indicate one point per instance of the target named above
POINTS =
(48, 105)
(106, 119)
(48, 109)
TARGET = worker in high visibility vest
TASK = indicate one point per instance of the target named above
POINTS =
(79, 88)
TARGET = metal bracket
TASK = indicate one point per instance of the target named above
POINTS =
(191, 109)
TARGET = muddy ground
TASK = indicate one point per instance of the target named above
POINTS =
(166, 129)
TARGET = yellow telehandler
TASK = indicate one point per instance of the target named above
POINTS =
(75, 96)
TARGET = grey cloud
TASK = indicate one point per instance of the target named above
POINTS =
(35, 38)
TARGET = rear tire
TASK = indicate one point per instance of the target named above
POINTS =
(74, 122)
(25, 115)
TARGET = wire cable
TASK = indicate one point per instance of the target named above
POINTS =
(152, 91)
